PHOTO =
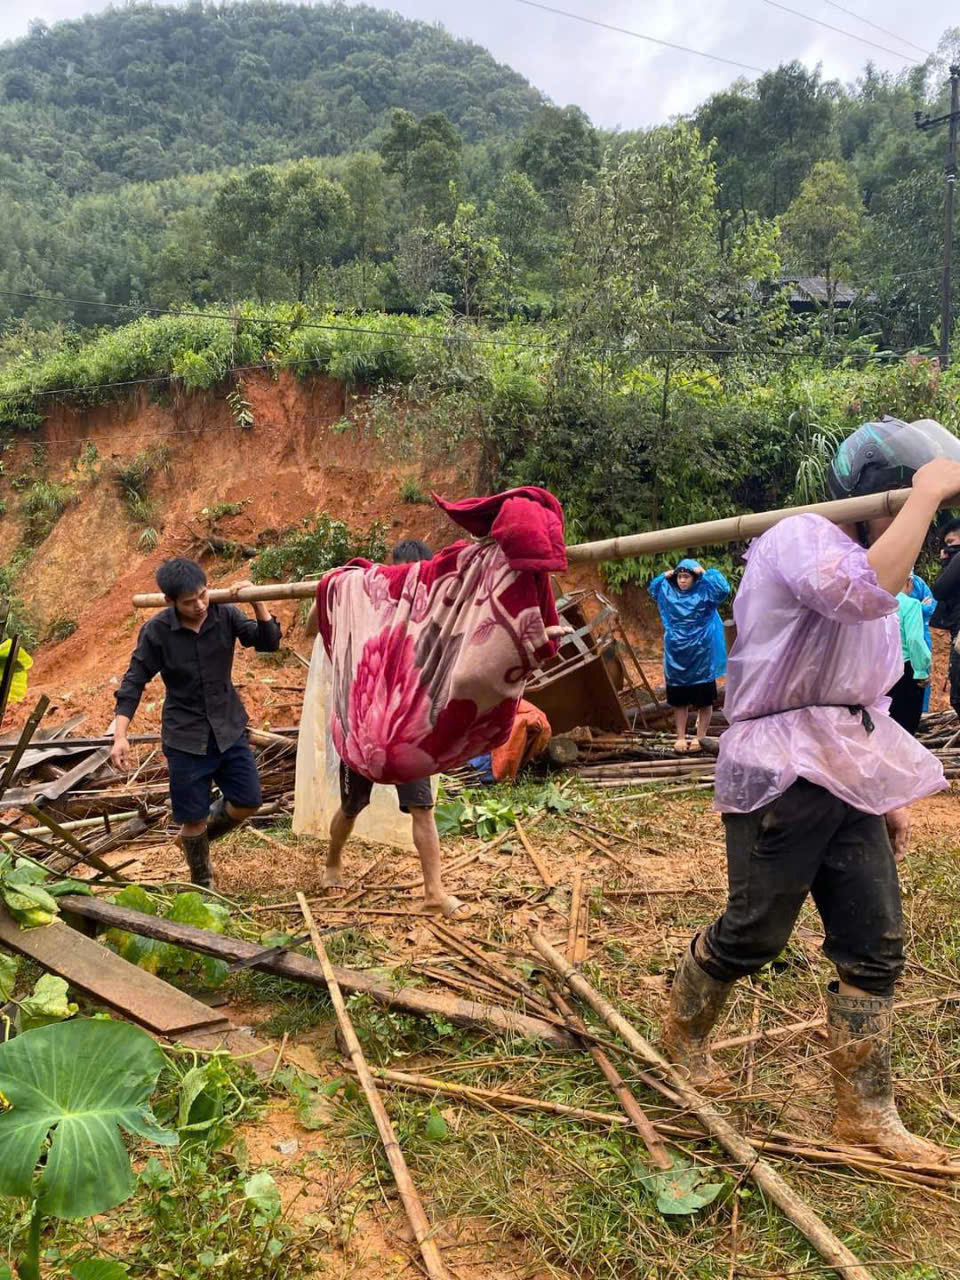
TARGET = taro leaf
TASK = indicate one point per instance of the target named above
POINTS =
(263, 1194)
(8, 977)
(436, 1129)
(5, 1272)
(83, 1081)
(98, 1269)
(48, 1003)
(681, 1191)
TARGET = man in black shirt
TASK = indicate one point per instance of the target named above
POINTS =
(190, 645)
(946, 592)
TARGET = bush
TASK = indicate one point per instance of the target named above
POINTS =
(43, 504)
(411, 492)
(60, 628)
(133, 479)
(314, 548)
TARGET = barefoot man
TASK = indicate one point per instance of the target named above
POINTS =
(190, 645)
(416, 798)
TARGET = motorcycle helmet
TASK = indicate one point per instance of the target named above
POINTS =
(886, 454)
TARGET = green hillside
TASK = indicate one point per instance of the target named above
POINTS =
(150, 92)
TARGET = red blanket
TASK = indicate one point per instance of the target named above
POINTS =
(430, 659)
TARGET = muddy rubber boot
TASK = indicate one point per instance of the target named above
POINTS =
(196, 850)
(860, 1029)
(696, 1001)
(219, 821)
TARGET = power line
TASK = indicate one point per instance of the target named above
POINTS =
(638, 35)
(883, 30)
(839, 30)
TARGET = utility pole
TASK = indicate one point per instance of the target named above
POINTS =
(925, 122)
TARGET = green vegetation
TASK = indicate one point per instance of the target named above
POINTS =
(42, 504)
(60, 629)
(133, 479)
(316, 547)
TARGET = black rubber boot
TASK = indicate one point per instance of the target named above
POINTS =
(196, 850)
(696, 1001)
(219, 821)
(860, 1032)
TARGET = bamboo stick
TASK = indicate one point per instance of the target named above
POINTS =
(575, 896)
(401, 1174)
(534, 857)
(827, 1244)
(741, 528)
(651, 1139)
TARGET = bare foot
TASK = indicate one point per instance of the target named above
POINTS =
(693, 747)
(680, 745)
(450, 907)
(334, 882)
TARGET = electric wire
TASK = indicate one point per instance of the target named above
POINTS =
(883, 30)
(830, 27)
(638, 35)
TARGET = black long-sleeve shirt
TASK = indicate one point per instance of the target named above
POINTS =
(946, 592)
(195, 667)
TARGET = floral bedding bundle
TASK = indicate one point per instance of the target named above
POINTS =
(430, 659)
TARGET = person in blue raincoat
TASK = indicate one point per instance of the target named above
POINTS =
(919, 590)
(687, 598)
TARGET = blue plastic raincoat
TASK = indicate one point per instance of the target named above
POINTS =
(692, 629)
(919, 590)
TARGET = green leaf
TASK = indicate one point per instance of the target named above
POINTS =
(81, 1081)
(263, 1193)
(436, 1129)
(47, 1004)
(683, 1191)
(155, 1176)
(8, 977)
(31, 906)
(201, 1102)
(450, 817)
(136, 898)
(5, 1272)
(98, 1269)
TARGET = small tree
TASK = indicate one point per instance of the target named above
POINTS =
(312, 215)
(822, 228)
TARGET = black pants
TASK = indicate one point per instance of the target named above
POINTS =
(954, 677)
(808, 841)
(906, 700)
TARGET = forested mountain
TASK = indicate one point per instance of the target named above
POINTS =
(148, 92)
(342, 156)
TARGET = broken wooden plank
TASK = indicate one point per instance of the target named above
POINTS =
(108, 978)
(467, 1013)
(27, 732)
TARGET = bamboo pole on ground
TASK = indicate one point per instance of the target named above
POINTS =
(828, 1245)
(651, 1139)
(401, 1174)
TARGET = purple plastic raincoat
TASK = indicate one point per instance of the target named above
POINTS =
(816, 635)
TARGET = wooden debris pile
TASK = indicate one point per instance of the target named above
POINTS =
(63, 803)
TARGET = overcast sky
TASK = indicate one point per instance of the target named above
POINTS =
(626, 82)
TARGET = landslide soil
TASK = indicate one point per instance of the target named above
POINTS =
(301, 458)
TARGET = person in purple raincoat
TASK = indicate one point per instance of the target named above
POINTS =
(814, 778)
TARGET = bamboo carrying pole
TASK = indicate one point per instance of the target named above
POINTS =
(872, 506)
(829, 1246)
(401, 1174)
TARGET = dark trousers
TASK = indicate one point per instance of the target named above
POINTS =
(954, 677)
(906, 700)
(808, 841)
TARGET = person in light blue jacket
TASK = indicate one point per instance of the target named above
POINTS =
(687, 598)
(917, 589)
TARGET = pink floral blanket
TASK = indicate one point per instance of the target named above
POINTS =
(430, 659)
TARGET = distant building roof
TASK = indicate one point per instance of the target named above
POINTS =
(813, 289)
